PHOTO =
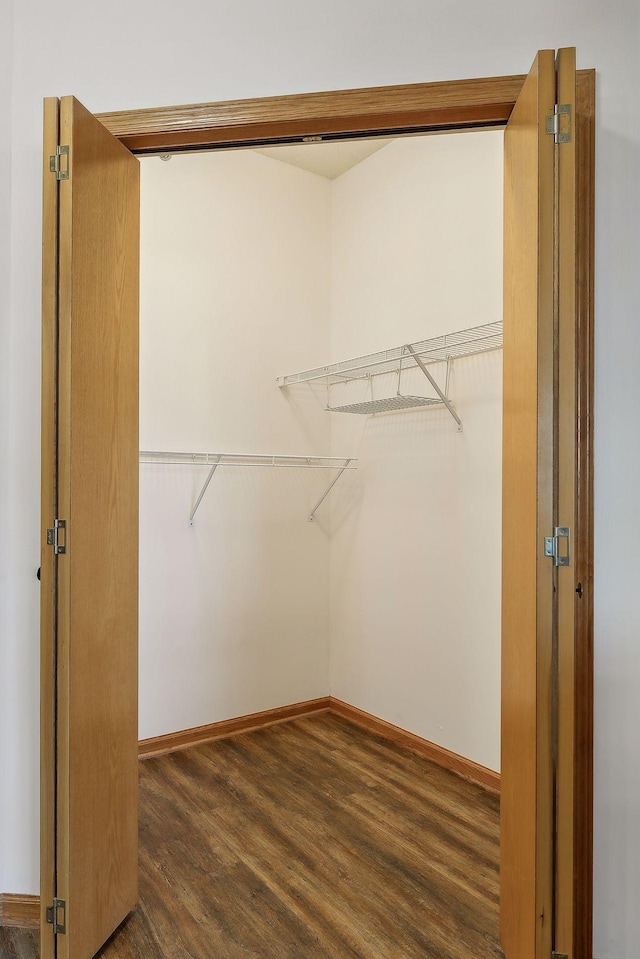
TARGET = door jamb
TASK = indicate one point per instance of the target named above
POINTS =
(583, 633)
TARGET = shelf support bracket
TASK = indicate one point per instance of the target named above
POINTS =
(333, 482)
(204, 488)
(428, 375)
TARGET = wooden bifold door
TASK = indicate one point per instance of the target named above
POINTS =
(90, 482)
(90, 571)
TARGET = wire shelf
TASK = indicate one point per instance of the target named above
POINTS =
(245, 459)
(477, 339)
(386, 405)
(278, 460)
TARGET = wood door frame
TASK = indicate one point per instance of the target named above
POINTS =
(583, 539)
(454, 105)
(430, 107)
(90, 378)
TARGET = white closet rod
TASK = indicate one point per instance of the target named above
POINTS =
(277, 460)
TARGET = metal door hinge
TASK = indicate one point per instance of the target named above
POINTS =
(559, 123)
(55, 163)
(559, 955)
(552, 546)
(54, 912)
(53, 536)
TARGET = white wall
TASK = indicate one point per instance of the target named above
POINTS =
(6, 50)
(123, 55)
(234, 284)
(415, 555)
(242, 258)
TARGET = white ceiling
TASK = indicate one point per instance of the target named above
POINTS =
(330, 159)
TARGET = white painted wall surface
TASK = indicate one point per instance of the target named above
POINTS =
(123, 55)
(6, 51)
(234, 283)
(241, 258)
(415, 552)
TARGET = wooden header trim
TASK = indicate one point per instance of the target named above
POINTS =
(416, 106)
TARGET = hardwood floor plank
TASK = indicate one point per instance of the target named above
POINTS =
(314, 839)
(19, 943)
(314, 805)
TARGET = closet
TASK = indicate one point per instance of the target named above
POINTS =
(362, 548)
(345, 261)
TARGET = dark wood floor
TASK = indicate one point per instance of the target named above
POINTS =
(19, 943)
(309, 840)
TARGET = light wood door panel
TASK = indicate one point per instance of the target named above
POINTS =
(566, 511)
(97, 481)
(526, 906)
(48, 512)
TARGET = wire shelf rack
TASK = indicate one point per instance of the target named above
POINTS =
(399, 360)
(243, 459)
(277, 460)
(477, 339)
(387, 404)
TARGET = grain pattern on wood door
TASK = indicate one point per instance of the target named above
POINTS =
(48, 512)
(97, 576)
(526, 906)
(566, 452)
